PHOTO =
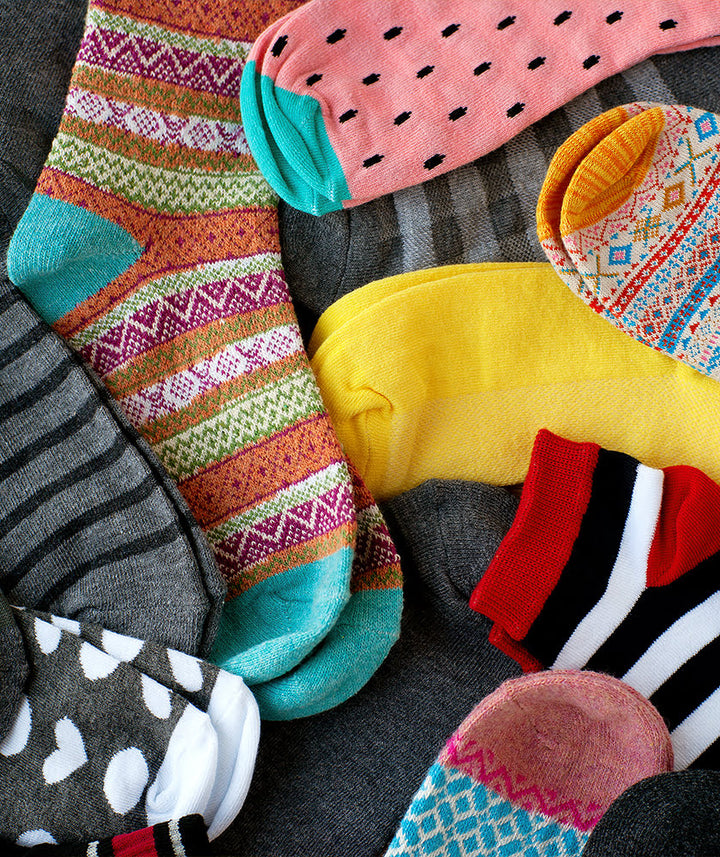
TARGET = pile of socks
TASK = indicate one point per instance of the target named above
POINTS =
(359, 373)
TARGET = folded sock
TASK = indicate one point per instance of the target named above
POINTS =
(668, 815)
(98, 748)
(182, 837)
(14, 668)
(613, 566)
(224, 697)
(628, 216)
(407, 409)
(534, 767)
(342, 105)
(151, 245)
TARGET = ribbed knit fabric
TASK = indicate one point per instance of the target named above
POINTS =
(629, 217)
(14, 668)
(412, 398)
(183, 837)
(533, 768)
(151, 245)
(344, 103)
(611, 565)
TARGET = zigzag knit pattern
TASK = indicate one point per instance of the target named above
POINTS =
(185, 315)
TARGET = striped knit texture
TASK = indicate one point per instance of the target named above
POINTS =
(197, 339)
(613, 566)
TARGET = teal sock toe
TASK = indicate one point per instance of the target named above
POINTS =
(269, 629)
(62, 254)
(342, 664)
(287, 138)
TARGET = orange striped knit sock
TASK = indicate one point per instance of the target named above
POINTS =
(151, 244)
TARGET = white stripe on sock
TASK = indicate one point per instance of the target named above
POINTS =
(92, 849)
(674, 647)
(697, 732)
(627, 578)
(176, 838)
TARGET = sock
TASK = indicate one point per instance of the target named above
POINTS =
(183, 837)
(628, 217)
(534, 767)
(389, 733)
(193, 331)
(613, 566)
(344, 105)
(13, 668)
(224, 697)
(406, 409)
(481, 212)
(669, 815)
(98, 748)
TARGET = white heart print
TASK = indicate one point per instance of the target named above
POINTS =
(70, 754)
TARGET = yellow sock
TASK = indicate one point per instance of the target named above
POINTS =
(450, 373)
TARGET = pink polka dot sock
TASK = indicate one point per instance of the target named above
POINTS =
(344, 103)
(534, 767)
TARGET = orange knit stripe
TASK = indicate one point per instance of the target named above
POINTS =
(380, 577)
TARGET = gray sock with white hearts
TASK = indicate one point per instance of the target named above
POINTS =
(13, 667)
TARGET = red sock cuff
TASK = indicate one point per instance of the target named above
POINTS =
(528, 563)
(503, 641)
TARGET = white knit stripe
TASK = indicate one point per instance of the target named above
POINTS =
(697, 732)
(627, 578)
(176, 838)
(682, 641)
(92, 849)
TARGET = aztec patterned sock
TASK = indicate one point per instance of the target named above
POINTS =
(224, 697)
(387, 735)
(669, 815)
(481, 212)
(183, 837)
(151, 244)
(613, 566)
(98, 748)
(406, 409)
(534, 767)
(342, 105)
(629, 217)
(13, 667)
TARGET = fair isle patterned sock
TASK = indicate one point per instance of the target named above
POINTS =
(614, 566)
(224, 697)
(183, 837)
(344, 103)
(151, 244)
(629, 216)
(533, 768)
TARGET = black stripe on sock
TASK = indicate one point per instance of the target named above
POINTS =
(39, 391)
(194, 834)
(585, 577)
(163, 842)
(87, 519)
(689, 686)
(28, 340)
(10, 298)
(105, 848)
(708, 760)
(653, 613)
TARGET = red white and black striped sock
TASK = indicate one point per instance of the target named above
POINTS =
(615, 567)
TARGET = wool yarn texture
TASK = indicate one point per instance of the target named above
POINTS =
(612, 565)
(151, 245)
(629, 217)
(407, 409)
(14, 669)
(534, 767)
(344, 104)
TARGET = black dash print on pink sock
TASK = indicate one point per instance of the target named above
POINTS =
(348, 114)
(562, 17)
(484, 66)
(614, 18)
(506, 22)
(369, 162)
(668, 25)
(518, 107)
(592, 60)
(425, 70)
(449, 30)
(536, 63)
(392, 32)
(371, 78)
(433, 162)
(402, 117)
(457, 113)
(279, 46)
(314, 78)
(335, 36)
